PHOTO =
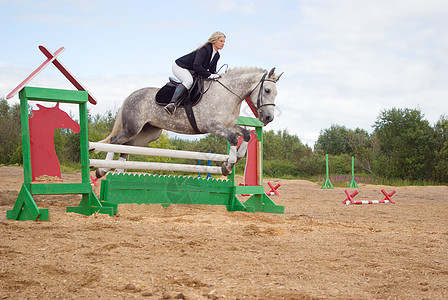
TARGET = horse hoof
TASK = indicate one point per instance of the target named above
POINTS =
(226, 171)
(99, 173)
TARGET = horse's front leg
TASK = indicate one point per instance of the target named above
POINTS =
(246, 138)
(232, 136)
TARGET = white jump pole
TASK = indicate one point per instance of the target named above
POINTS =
(156, 152)
(137, 165)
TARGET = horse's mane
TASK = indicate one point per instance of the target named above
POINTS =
(240, 72)
(246, 70)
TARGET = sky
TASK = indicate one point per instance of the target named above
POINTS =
(344, 61)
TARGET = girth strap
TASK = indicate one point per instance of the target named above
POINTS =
(191, 118)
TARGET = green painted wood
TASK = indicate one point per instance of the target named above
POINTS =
(60, 188)
(249, 189)
(26, 152)
(262, 203)
(84, 143)
(54, 95)
(167, 190)
(352, 184)
(25, 207)
(327, 184)
(90, 205)
(248, 121)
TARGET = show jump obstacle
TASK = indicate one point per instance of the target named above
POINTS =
(166, 190)
(127, 188)
(25, 207)
(132, 188)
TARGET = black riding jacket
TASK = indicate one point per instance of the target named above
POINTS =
(199, 61)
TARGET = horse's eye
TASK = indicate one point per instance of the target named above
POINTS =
(267, 91)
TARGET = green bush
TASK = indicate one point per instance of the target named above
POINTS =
(280, 168)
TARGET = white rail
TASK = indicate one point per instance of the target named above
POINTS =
(137, 165)
(156, 152)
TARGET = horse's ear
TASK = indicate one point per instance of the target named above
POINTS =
(271, 73)
(278, 77)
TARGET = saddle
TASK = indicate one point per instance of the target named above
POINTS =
(190, 99)
(194, 95)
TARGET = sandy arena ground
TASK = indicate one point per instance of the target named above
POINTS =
(319, 249)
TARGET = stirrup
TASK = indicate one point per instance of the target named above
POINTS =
(169, 110)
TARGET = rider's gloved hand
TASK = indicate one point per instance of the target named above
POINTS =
(214, 76)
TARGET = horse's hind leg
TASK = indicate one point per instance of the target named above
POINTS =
(100, 172)
(147, 135)
(143, 138)
(127, 133)
(133, 136)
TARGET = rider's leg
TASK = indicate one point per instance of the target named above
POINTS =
(185, 77)
(177, 97)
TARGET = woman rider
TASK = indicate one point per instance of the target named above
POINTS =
(202, 61)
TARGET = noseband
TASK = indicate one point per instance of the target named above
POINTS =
(260, 103)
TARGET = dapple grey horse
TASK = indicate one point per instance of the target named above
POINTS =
(140, 120)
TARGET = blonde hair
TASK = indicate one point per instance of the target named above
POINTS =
(213, 38)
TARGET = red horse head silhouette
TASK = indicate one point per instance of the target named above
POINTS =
(44, 121)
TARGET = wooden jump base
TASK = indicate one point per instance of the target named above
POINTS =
(166, 190)
(350, 198)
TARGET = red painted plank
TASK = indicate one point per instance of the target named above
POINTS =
(67, 73)
(49, 60)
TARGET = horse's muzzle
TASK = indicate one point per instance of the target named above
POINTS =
(266, 119)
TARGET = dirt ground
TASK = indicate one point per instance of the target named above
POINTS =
(318, 249)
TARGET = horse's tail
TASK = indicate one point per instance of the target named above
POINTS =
(115, 130)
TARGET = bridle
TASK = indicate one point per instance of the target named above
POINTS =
(260, 103)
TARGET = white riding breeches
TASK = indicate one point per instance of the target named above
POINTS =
(183, 75)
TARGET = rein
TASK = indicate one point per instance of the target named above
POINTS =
(260, 93)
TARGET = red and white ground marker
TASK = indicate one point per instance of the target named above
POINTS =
(350, 198)
(273, 190)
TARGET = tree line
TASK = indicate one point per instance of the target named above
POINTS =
(403, 145)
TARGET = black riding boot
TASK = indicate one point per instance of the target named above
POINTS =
(177, 98)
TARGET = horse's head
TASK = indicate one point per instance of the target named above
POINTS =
(263, 96)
